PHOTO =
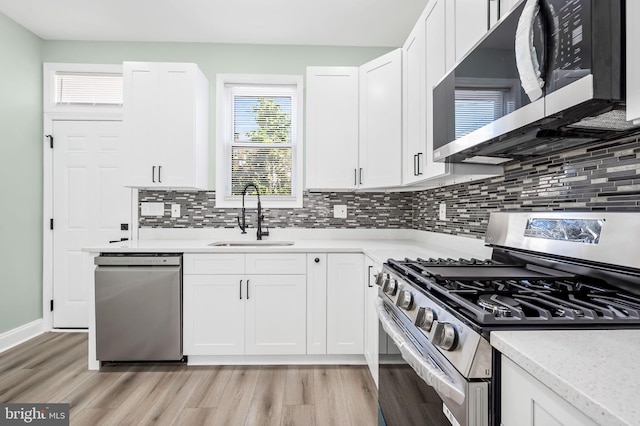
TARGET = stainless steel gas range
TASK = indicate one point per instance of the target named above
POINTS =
(547, 271)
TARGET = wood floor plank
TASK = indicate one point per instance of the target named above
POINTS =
(299, 389)
(195, 416)
(53, 368)
(237, 396)
(169, 405)
(331, 403)
(211, 387)
(298, 415)
(361, 395)
(91, 417)
(266, 404)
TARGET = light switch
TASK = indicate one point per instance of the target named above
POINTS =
(152, 209)
(340, 211)
(175, 210)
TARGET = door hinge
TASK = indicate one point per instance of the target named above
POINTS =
(51, 304)
(51, 224)
(50, 140)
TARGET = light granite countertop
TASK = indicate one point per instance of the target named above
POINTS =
(596, 371)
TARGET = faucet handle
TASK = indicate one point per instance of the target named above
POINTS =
(265, 233)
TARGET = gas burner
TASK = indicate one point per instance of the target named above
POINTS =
(499, 306)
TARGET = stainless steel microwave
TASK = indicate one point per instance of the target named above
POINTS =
(548, 77)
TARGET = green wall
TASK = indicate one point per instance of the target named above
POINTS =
(21, 130)
(20, 175)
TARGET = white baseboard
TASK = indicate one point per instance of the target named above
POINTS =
(276, 360)
(21, 334)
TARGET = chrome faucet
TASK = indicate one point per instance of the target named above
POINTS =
(243, 226)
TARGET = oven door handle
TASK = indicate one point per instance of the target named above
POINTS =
(431, 374)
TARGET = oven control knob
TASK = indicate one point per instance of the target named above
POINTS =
(390, 286)
(381, 278)
(444, 336)
(425, 318)
(405, 300)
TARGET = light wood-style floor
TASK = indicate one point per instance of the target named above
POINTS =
(53, 368)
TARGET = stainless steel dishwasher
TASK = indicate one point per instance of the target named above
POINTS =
(138, 307)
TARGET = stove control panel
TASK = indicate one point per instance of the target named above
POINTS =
(469, 352)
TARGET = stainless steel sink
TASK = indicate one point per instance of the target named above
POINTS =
(256, 243)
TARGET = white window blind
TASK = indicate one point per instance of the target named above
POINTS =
(476, 108)
(88, 89)
(262, 139)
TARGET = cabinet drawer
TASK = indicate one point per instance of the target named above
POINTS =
(258, 263)
(218, 263)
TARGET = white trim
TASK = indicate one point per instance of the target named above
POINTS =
(21, 334)
(298, 132)
(276, 360)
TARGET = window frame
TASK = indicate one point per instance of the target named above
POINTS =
(51, 69)
(224, 130)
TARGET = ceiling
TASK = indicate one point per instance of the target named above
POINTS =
(383, 23)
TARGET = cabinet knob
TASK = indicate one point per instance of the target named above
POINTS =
(317, 260)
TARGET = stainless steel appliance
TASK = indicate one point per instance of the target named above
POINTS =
(138, 307)
(548, 77)
(547, 271)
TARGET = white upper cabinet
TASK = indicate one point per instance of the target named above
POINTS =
(414, 117)
(332, 128)
(381, 122)
(471, 23)
(354, 125)
(633, 60)
(166, 111)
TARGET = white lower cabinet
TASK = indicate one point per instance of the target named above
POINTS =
(371, 323)
(244, 314)
(527, 401)
(345, 303)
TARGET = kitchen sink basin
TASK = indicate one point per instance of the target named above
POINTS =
(260, 243)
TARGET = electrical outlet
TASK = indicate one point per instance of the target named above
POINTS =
(175, 210)
(340, 211)
(152, 209)
(443, 211)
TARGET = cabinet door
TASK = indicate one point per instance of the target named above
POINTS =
(471, 23)
(176, 125)
(381, 122)
(140, 123)
(332, 127)
(414, 117)
(371, 324)
(213, 322)
(345, 303)
(435, 35)
(526, 401)
(275, 319)
(633, 61)
(317, 303)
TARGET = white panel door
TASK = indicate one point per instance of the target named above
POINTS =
(275, 316)
(89, 205)
(345, 303)
(213, 322)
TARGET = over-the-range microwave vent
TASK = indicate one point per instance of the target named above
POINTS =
(563, 134)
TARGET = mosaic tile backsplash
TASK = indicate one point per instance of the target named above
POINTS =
(603, 177)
